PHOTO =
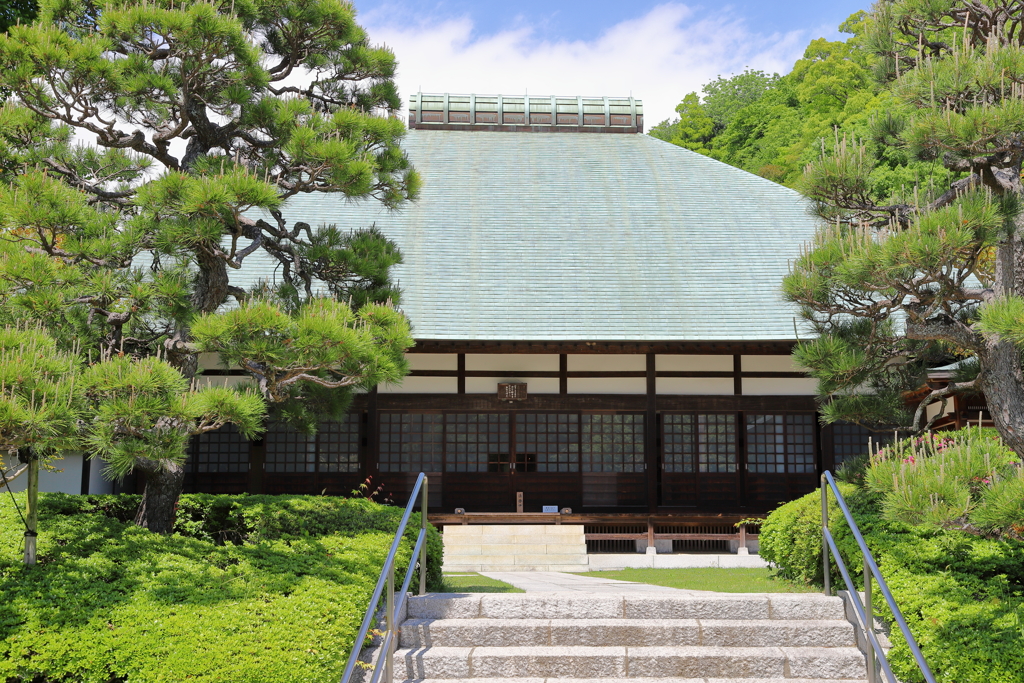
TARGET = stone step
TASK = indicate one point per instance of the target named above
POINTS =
(634, 680)
(469, 567)
(417, 633)
(536, 547)
(631, 662)
(781, 606)
(515, 559)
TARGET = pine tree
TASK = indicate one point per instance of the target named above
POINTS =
(896, 282)
(199, 122)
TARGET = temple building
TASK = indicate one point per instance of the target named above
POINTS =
(598, 327)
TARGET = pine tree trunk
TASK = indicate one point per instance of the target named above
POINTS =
(1003, 384)
(1002, 377)
(164, 482)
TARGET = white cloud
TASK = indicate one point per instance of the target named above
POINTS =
(659, 57)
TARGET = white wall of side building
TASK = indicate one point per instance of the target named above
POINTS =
(64, 475)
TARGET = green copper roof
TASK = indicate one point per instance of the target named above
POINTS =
(571, 236)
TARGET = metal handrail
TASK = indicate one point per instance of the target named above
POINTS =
(865, 613)
(387, 578)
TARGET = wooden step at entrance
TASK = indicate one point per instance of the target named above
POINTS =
(515, 547)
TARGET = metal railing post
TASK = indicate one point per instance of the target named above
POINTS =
(423, 527)
(870, 624)
(389, 666)
(824, 542)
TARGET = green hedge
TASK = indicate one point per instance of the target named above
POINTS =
(254, 589)
(962, 594)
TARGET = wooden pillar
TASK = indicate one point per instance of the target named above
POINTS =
(371, 456)
(651, 435)
(563, 374)
(461, 369)
(257, 464)
(737, 374)
(86, 474)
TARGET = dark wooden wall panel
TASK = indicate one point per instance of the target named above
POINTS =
(718, 491)
(678, 489)
(478, 492)
(614, 490)
(217, 482)
(548, 488)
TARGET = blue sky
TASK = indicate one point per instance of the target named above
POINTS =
(656, 51)
(581, 20)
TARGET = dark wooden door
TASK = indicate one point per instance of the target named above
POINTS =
(478, 462)
(700, 465)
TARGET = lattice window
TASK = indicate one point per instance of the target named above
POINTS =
(288, 450)
(223, 450)
(706, 443)
(548, 442)
(338, 444)
(613, 443)
(473, 440)
(778, 444)
(850, 440)
(410, 442)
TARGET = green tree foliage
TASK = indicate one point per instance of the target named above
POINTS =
(38, 397)
(900, 278)
(725, 97)
(693, 130)
(775, 126)
(17, 11)
(193, 124)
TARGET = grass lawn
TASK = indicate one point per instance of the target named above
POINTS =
(757, 580)
(474, 583)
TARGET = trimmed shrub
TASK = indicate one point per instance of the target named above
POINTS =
(110, 602)
(961, 593)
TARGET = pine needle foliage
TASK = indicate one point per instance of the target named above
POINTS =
(895, 283)
(148, 150)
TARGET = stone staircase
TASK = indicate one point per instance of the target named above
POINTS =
(515, 548)
(572, 637)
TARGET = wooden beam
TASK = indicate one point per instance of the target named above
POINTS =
(755, 348)
(593, 373)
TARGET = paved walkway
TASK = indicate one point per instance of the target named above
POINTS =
(559, 582)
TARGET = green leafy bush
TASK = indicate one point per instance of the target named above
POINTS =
(962, 592)
(254, 589)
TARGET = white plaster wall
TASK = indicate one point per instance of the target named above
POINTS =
(210, 361)
(933, 409)
(692, 363)
(534, 385)
(67, 480)
(615, 362)
(778, 386)
(433, 361)
(222, 380)
(703, 386)
(608, 385)
(769, 364)
(422, 385)
(513, 362)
